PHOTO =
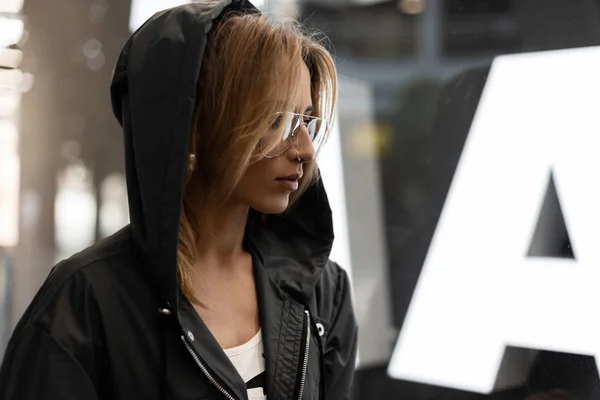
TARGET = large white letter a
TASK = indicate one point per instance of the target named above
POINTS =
(482, 288)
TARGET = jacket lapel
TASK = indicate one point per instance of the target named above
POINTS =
(200, 339)
(282, 322)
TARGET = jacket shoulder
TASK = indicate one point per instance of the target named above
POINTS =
(116, 246)
(331, 291)
(71, 282)
(61, 331)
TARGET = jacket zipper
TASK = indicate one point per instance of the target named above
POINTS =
(205, 370)
(306, 353)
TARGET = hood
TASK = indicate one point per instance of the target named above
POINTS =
(153, 95)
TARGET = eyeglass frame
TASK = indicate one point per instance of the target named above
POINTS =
(293, 133)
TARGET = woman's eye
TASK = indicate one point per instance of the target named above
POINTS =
(275, 125)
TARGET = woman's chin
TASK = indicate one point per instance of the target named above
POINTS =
(274, 205)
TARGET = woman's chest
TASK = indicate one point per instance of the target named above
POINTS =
(232, 319)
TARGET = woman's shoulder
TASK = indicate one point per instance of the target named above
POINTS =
(70, 324)
(102, 258)
(74, 286)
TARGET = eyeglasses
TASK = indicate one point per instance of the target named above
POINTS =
(289, 124)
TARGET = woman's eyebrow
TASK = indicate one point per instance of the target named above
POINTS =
(308, 110)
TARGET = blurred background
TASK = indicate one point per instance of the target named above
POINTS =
(412, 76)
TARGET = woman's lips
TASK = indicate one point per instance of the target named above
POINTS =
(289, 183)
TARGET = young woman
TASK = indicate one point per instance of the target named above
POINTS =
(221, 286)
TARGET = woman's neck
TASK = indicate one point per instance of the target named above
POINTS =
(222, 236)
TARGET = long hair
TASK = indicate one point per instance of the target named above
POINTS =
(250, 71)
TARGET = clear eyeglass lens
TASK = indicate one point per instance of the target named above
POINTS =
(291, 123)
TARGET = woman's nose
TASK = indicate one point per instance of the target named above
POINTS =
(304, 146)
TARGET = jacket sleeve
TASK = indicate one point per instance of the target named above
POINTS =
(341, 342)
(36, 366)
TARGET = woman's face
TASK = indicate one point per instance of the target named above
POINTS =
(266, 185)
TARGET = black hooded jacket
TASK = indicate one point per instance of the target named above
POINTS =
(110, 322)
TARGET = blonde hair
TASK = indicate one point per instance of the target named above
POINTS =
(250, 71)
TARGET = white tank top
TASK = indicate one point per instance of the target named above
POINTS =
(249, 361)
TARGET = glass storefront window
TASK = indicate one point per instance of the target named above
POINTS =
(461, 172)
